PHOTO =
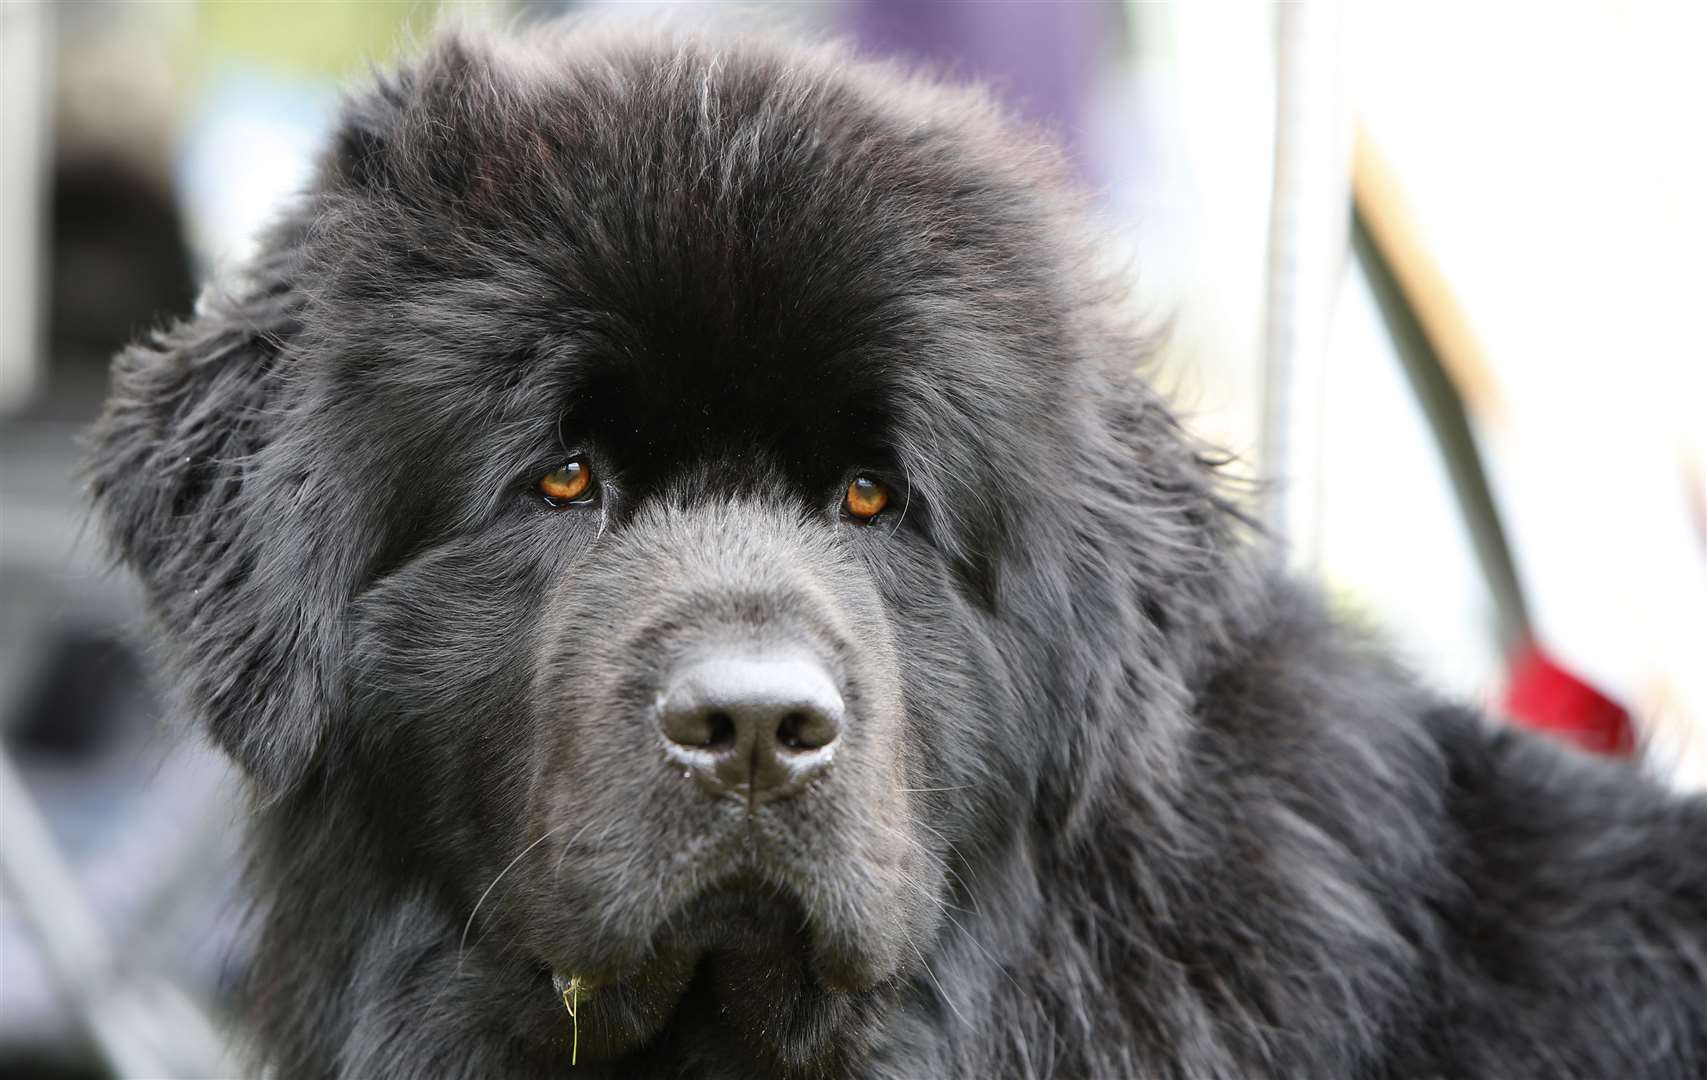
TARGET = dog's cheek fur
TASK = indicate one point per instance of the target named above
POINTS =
(973, 758)
(443, 675)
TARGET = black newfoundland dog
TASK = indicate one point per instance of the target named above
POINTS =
(668, 528)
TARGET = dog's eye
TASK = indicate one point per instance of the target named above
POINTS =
(866, 498)
(568, 483)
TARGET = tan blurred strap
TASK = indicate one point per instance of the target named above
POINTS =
(1393, 229)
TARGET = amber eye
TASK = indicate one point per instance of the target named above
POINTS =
(866, 498)
(567, 483)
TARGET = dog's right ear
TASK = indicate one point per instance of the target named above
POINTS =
(208, 466)
(202, 473)
(171, 467)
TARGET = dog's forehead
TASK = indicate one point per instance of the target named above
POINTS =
(721, 245)
(730, 199)
(719, 217)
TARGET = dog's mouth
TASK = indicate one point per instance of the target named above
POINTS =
(744, 958)
(742, 915)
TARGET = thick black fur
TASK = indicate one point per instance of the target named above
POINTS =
(1116, 798)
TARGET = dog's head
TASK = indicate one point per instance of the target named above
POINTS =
(664, 488)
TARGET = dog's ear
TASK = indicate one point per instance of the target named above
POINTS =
(203, 470)
(175, 467)
(209, 472)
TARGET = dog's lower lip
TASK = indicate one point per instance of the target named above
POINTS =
(741, 913)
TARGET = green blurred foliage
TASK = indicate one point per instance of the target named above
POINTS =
(333, 38)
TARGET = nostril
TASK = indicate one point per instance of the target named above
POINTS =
(803, 731)
(788, 732)
(719, 730)
(700, 728)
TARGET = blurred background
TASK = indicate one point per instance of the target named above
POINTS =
(1432, 270)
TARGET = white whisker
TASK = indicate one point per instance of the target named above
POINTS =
(463, 941)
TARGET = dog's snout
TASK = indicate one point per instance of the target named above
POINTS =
(755, 725)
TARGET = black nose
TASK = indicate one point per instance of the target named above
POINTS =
(755, 725)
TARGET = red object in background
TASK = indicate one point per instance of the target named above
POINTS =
(1542, 695)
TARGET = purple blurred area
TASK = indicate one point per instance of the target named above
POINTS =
(1040, 56)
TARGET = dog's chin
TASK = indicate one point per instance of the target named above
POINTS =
(744, 958)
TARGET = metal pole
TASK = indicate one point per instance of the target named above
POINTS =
(1308, 222)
